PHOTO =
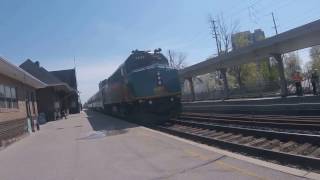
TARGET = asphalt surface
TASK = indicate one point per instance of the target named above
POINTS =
(92, 146)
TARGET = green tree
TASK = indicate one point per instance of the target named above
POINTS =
(245, 74)
(270, 75)
(315, 57)
(239, 71)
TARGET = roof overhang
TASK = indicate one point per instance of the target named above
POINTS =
(63, 87)
(16, 73)
(298, 38)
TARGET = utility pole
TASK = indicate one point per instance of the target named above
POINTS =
(222, 71)
(214, 27)
(274, 23)
(279, 59)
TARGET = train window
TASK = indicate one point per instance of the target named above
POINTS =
(140, 57)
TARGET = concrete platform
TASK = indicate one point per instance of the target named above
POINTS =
(94, 146)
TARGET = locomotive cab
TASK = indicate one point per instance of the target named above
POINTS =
(154, 84)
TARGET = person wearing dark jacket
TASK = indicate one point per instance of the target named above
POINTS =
(315, 81)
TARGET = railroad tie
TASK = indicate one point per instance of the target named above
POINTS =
(246, 139)
(217, 134)
(209, 133)
(257, 142)
(234, 138)
(302, 148)
(289, 146)
(316, 153)
(225, 136)
(271, 144)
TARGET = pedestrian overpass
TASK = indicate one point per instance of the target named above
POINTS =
(301, 37)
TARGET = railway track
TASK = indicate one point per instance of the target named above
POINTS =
(289, 148)
(307, 124)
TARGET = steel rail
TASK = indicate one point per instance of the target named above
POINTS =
(284, 124)
(282, 157)
(283, 136)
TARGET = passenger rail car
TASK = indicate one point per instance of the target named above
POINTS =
(143, 83)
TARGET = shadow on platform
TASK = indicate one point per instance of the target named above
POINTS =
(102, 122)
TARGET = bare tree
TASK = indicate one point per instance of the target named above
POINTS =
(221, 31)
(177, 59)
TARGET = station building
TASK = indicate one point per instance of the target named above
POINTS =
(60, 95)
(68, 76)
(18, 105)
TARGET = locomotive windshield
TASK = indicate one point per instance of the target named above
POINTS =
(145, 59)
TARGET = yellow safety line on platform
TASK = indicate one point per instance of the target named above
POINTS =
(242, 171)
(220, 163)
(195, 154)
(272, 166)
(223, 164)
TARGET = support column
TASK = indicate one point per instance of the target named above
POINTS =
(193, 95)
(225, 82)
(259, 78)
(283, 82)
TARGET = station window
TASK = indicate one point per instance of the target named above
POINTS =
(8, 97)
(14, 99)
(2, 96)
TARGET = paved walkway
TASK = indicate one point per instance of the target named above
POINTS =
(97, 147)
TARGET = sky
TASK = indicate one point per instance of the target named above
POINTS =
(100, 34)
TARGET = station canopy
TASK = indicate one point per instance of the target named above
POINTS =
(16, 73)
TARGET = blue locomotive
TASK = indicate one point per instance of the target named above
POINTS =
(144, 83)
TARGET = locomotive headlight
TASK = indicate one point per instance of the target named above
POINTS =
(150, 102)
(159, 78)
(159, 82)
(158, 73)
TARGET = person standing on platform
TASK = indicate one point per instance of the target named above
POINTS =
(297, 78)
(315, 81)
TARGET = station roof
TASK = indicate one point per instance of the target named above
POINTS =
(15, 72)
(298, 38)
(67, 76)
(45, 76)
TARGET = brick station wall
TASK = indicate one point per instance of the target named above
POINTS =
(13, 121)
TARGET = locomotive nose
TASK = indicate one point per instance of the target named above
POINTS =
(159, 79)
(154, 82)
(160, 88)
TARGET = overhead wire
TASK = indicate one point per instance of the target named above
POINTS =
(306, 15)
(255, 16)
